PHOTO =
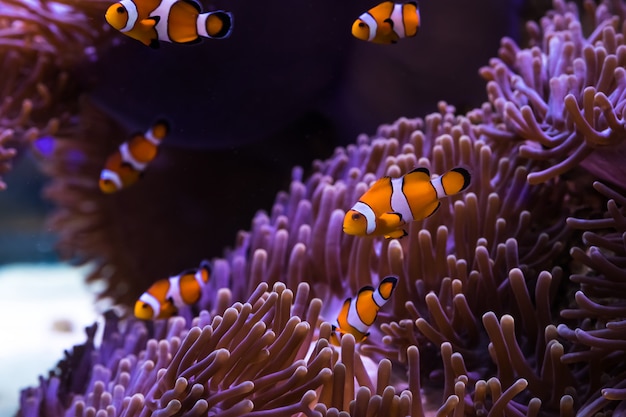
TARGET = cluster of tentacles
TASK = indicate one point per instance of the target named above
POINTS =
(502, 306)
(564, 96)
(40, 43)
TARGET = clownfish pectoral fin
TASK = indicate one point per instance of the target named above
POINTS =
(397, 234)
(149, 22)
(392, 219)
(389, 21)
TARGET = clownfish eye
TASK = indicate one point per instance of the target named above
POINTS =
(356, 216)
(362, 25)
(121, 9)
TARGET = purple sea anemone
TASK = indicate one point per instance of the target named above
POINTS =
(502, 307)
(48, 38)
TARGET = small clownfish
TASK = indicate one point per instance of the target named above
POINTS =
(176, 21)
(124, 166)
(392, 203)
(358, 314)
(166, 296)
(388, 22)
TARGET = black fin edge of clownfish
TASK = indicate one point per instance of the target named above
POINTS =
(206, 265)
(421, 169)
(163, 122)
(154, 44)
(467, 177)
(366, 288)
(436, 208)
(390, 278)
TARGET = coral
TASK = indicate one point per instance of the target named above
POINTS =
(484, 320)
(49, 38)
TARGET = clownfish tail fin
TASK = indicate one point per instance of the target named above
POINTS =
(217, 25)
(455, 180)
(206, 265)
(161, 128)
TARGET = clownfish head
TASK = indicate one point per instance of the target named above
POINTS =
(118, 16)
(109, 182)
(143, 311)
(355, 223)
(361, 30)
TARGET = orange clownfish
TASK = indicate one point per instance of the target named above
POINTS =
(163, 299)
(358, 314)
(388, 22)
(177, 21)
(392, 203)
(127, 163)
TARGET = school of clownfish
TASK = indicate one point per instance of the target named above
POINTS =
(386, 209)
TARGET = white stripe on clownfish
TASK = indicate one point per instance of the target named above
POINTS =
(438, 186)
(174, 292)
(354, 318)
(399, 202)
(397, 17)
(370, 216)
(369, 20)
(131, 9)
(108, 175)
(152, 302)
(128, 157)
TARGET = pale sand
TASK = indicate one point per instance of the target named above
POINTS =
(44, 309)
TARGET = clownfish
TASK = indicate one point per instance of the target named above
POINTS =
(124, 166)
(358, 314)
(177, 21)
(388, 22)
(392, 203)
(166, 296)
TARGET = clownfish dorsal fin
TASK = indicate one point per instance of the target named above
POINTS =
(381, 183)
(366, 288)
(420, 173)
(195, 5)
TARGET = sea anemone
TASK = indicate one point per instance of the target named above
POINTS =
(563, 98)
(48, 38)
(483, 320)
